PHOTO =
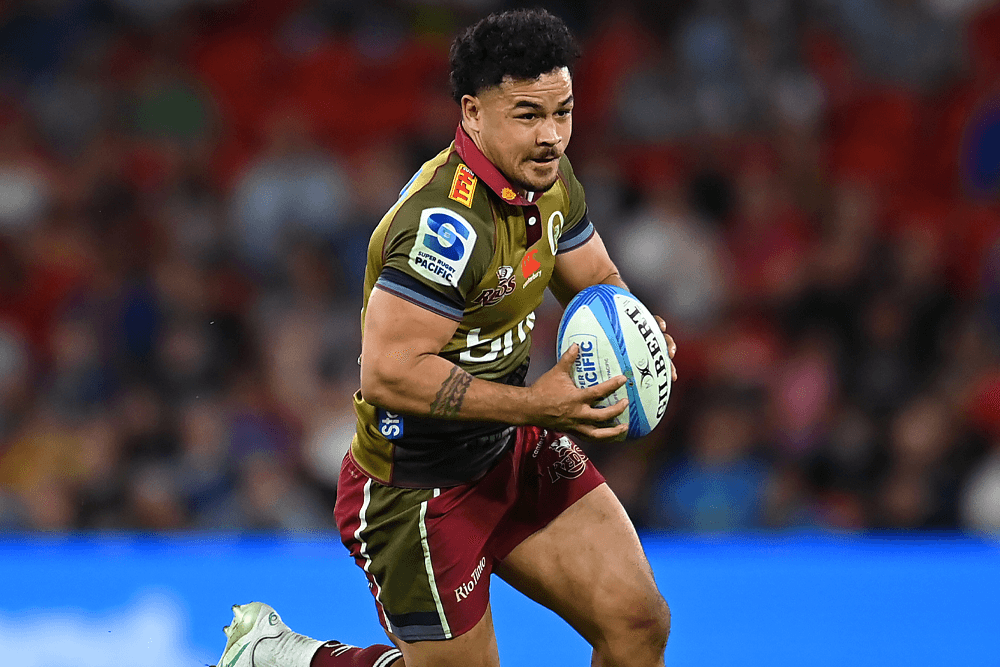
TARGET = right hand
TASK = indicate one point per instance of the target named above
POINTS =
(563, 406)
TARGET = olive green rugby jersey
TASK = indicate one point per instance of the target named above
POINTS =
(462, 243)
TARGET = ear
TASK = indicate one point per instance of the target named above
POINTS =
(472, 112)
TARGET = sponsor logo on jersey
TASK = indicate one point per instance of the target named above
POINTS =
(555, 225)
(493, 295)
(571, 462)
(390, 425)
(530, 267)
(463, 186)
(466, 589)
(508, 194)
(444, 244)
(658, 355)
(500, 346)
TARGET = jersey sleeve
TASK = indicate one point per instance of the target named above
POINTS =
(578, 228)
(433, 257)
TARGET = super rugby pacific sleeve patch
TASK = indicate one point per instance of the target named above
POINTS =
(444, 243)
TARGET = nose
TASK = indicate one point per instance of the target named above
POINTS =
(548, 133)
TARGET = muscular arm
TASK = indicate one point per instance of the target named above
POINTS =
(401, 371)
(582, 267)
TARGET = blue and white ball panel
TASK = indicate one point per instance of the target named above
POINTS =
(647, 351)
(443, 246)
(617, 335)
(598, 359)
(595, 312)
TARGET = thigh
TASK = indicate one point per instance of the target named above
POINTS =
(424, 551)
(383, 528)
(475, 648)
(588, 566)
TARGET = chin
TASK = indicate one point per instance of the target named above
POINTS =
(540, 184)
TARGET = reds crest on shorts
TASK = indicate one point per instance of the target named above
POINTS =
(571, 463)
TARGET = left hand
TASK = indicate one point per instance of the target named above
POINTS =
(671, 346)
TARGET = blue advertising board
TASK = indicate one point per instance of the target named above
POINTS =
(111, 600)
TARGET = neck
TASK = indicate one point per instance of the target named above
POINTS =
(477, 140)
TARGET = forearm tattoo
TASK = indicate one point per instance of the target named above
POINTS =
(449, 398)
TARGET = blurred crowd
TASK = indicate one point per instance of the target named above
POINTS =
(808, 192)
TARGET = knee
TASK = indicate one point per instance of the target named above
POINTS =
(652, 627)
(638, 636)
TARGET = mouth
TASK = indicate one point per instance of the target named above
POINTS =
(545, 160)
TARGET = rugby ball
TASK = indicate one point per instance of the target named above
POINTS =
(617, 335)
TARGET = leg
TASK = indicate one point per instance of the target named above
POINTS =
(475, 648)
(259, 638)
(424, 554)
(588, 566)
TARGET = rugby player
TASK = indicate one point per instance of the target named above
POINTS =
(457, 470)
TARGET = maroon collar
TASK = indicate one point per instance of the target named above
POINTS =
(484, 169)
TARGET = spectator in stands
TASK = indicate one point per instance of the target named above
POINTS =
(980, 504)
(671, 257)
(292, 186)
(184, 206)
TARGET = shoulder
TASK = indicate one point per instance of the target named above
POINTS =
(566, 167)
(570, 183)
(566, 173)
(434, 235)
(446, 192)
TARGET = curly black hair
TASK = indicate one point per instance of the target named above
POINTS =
(522, 44)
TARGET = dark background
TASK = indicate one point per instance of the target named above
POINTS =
(808, 192)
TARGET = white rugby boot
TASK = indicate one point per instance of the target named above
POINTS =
(257, 622)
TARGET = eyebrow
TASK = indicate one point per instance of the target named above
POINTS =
(527, 104)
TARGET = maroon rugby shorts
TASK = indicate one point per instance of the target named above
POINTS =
(428, 553)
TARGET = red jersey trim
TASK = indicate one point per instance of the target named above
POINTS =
(485, 170)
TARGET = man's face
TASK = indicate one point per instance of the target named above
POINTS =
(523, 126)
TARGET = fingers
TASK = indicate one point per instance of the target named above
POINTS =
(605, 389)
(595, 415)
(593, 422)
(671, 345)
(602, 432)
(569, 356)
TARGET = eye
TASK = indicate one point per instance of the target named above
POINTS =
(526, 116)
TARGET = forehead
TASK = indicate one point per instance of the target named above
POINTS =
(549, 88)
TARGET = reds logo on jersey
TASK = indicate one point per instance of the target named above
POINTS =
(493, 295)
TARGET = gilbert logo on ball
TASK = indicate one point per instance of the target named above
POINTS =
(618, 335)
